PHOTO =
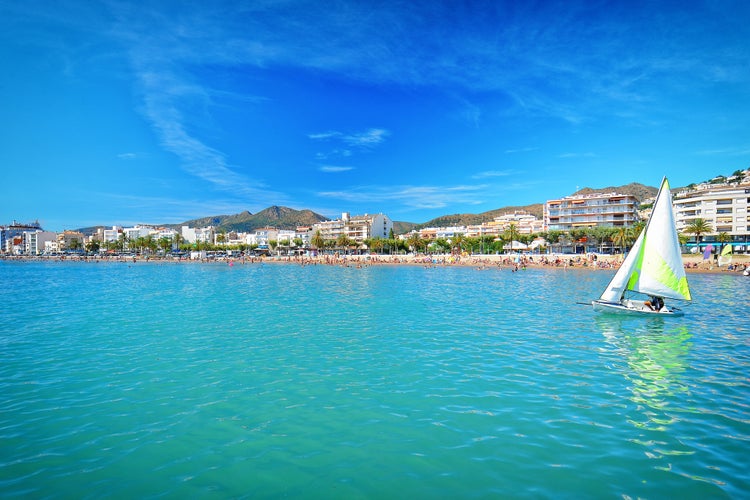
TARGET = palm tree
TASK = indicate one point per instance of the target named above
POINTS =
(177, 239)
(622, 238)
(93, 246)
(458, 242)
(697, 227)
(343, 241)
(415, 242)
(510, 234)
(317, 241)
(165, 244)
(442, 245)
(683, 239)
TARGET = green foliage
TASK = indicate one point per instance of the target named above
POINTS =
(93, 245)
(698, 227)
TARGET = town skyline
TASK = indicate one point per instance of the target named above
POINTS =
(124, 113)
(640, 191)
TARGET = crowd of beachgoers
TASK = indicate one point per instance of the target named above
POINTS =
(693, 263)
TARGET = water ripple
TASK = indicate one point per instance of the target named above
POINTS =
(201, 380)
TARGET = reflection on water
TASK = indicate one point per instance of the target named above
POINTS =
(655, 350)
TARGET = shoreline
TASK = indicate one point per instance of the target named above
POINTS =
(592, 262)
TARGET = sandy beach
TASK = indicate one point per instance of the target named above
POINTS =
(593, 262)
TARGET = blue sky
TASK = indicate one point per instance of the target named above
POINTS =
(119, 113)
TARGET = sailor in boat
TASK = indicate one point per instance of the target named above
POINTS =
(654, 303)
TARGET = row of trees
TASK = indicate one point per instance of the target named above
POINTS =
(604, 238)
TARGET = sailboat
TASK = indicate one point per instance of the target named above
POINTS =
(653, 267)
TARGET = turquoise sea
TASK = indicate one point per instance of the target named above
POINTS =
(267, 380)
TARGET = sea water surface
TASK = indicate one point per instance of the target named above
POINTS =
(213, 381)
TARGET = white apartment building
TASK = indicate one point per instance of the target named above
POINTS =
(132, 233)
(449, 232)
(34, 242)
(164, 232)
(194, 235)
(525, 223)
(591, 210)
(725, 208)
(109, 235)
(262, 236)
(357, 228)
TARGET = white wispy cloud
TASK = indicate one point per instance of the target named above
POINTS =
(418, 197)
(366, 139)
(492, 173)
(334, 168)
(322, 136)
(348, 143)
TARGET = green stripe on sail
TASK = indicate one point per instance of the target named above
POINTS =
(660, 270)
(633, 281)
(683, 288)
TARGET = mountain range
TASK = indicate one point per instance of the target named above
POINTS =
(289, 218)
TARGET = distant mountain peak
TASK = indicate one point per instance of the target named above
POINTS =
(274, 216)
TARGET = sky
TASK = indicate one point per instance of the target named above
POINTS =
(119, 113)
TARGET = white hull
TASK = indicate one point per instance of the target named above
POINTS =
(634, 307)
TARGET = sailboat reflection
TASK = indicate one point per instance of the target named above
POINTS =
(656, 354)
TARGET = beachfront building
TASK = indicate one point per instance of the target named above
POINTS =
(70, 240)
(725, 208)
(164, 232)
(446, 233)
(12, 235)
(524, 223)
(135, 232)
(304, 233)
(108, 235)
(480, 230)
(195, 235)
(262, 236)
(34, 241)
(590, 210)
(358, 228)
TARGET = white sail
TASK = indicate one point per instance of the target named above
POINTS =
(619, 283)
(654, 265)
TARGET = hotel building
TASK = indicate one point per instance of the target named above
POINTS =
(590, 210)
(725, 208)
(524, 222)
(358, 228)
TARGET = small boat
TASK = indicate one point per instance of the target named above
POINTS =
(653, 267)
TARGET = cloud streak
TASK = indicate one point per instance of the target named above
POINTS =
(334, 169)
(348, 144)
(415, 197)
